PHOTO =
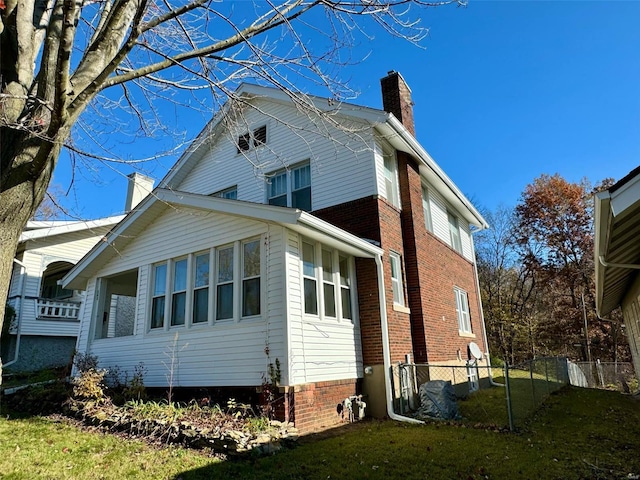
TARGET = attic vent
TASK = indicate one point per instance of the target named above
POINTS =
(252, 139)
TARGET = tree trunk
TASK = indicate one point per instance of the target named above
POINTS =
(23, 187)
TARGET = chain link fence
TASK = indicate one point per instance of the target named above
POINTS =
(489, 395)
(618, 376)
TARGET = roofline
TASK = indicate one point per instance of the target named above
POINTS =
(602, 219)
(285, 216)
(48, 229)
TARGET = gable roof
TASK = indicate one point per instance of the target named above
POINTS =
(161, 199)
(49, 228)
(617, 249)
(389, 127)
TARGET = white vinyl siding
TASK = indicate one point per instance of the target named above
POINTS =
(391, 186)
(426, 208)
(218, 353)
(342, 167)
(321, 348)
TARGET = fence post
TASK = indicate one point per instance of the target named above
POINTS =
(533, 387)
(508, 392)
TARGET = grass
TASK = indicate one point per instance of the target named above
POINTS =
(578, 434)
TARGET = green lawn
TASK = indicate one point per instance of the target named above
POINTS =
(579, 434)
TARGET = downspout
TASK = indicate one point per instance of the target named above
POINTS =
(386, 351)
(484, 325)
(23, 283)
(631, 266)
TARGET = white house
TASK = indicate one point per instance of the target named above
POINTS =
(44, 331)
(322, 236)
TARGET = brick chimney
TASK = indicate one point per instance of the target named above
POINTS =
(396, 99)
(138, 188)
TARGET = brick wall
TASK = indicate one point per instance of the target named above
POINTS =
(433, 269)
(314, 405)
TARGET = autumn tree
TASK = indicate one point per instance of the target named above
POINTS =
(64, 59)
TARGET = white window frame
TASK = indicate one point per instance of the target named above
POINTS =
(230, 193)
(391, 183)
(237, 283)
(290, 188)
(322, 279)
(462, 311)
(426, 208)
(455, 236)
(397, 284)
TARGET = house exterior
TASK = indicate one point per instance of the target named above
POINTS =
(617, 255)
(320, 236)
(45, 328)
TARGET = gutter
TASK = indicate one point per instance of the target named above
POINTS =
(23, 283)
(632, 266)
(386, 352)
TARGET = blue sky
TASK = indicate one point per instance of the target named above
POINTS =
(503, 92)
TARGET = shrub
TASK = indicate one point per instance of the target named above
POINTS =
(89, 385)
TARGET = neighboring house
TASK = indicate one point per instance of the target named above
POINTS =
(617, 255)
(45, 328)
(331, 243)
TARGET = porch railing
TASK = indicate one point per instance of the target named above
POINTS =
(57, 310)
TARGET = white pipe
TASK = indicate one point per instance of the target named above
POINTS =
(484, 325)
(23, 282)
(618, 265)
(386, 352)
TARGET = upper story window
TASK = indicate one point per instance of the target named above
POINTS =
(391, 180)
(219, 284)
(454, 232)
(396, 278)
(462, 310)
(252, 139)
(327, 282)
(230, 193)
(50, 288)
(291, 188)
(426, 208)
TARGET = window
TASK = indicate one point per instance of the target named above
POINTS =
(179, 295)
(391, 180)
(309, 274)
(454, 232)
(201, 288)
(291, 188)
(426, 208)
(218, 284)
(396, 278)
(345, 287)
(462, 310)
(50, 288)
(159, 290)
(224, 289)
(328, 284)
(251, 278)
(252, 139)
(230, 193)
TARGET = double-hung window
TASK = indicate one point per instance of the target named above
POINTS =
(345, 287)
(159, 291)
(179, 292)
(454, 232)
(426, 208)
(391, 180)
(201, 288)
(462, 310)
(309, 275)
(291, 188)
(251, 278)
(327, 282)
(224, 284)
(396, 278)
(230, 193)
